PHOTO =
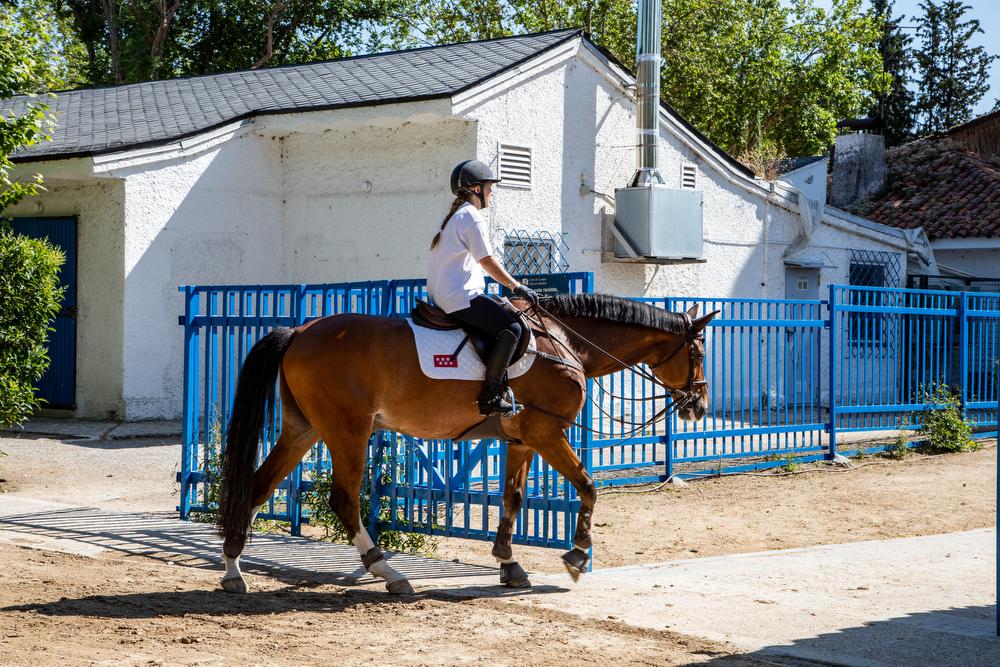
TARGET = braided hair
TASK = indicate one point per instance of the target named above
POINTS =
(464, 195)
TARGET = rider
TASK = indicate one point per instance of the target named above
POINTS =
(460, 253)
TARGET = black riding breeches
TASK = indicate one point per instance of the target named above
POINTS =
(487, 318)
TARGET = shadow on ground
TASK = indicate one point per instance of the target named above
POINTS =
(299, 562)
(958, 637)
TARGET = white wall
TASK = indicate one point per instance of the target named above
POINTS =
(364, 203)
(211, 218)
(98, 207)
(982, 262)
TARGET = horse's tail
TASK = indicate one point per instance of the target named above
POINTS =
(254, 395)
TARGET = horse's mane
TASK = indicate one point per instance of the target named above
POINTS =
(616, 309)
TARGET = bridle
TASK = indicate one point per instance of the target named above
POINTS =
(681, 397)
(685, 395)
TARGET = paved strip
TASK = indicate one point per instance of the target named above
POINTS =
(91, 532)
(914, 601)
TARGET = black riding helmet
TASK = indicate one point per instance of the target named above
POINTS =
(469, 173)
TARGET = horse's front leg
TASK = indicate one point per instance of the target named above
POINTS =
(512, 575)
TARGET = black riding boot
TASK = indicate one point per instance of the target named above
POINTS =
(493, 399)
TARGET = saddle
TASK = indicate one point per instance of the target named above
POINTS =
(432, 317)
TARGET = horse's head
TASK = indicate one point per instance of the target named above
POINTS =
(680, 367)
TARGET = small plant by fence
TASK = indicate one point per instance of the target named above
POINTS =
(790, 381)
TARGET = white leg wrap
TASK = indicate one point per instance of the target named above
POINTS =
(363, 543)
(382, 569)
(505, 561)
(232, 568)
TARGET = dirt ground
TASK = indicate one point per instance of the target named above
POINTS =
(58, 609)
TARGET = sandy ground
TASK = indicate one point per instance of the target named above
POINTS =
(137, 611)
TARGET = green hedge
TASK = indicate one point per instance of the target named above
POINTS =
(29, 299)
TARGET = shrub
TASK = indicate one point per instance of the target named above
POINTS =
(29, 299)
(317, 500)
(899, 448)
(943, 427)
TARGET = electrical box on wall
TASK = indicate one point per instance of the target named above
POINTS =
(657, 222)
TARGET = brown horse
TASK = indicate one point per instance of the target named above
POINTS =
(342, 377)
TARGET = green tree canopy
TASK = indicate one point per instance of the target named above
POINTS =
(762, 78)
(123, 41)
(895, 105)
(27, 66)
(952, 74)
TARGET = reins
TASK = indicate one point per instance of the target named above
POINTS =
(687, 391)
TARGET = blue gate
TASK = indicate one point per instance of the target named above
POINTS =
(787, 378)
(58, 385)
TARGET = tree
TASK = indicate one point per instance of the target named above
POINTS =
(123, 41)
(25, 69)
(951, 73)
(29, 293)
(895, 106)
(762, 79)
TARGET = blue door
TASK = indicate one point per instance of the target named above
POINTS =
(58, 386)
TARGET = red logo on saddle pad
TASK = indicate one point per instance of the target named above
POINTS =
(445, 361)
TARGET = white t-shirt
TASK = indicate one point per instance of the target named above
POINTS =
(455, 277)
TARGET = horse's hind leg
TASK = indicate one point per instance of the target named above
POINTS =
(347, 440)
(512, 575)
(296, 437)
(558, 452)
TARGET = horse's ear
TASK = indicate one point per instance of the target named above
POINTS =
(702, 322)
(693, 311)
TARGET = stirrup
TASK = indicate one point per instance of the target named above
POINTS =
(502, 404)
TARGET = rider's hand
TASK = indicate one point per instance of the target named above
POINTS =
(522, 292)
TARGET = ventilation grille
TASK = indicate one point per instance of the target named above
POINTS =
(689, 177)
(515, 166)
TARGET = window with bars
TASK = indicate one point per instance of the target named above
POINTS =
(534, 253)
(866, 328)
(515, 166)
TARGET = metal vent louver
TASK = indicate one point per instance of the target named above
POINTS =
(689, 177)
(515, 166)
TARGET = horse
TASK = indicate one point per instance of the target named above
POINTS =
(345, 376)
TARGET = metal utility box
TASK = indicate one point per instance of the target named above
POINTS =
(659, 222)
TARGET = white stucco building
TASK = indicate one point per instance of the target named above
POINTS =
(338, 171)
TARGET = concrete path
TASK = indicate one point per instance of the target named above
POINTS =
(82, 429)
(917, 601)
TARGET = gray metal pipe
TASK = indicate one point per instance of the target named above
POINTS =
(647, 60)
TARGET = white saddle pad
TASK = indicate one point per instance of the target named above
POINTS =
(435, 349)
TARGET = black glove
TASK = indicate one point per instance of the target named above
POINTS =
(522, 292)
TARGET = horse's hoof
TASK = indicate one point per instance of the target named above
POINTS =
(576, 561)
(401, 587)
(235, 585)
(513, 575)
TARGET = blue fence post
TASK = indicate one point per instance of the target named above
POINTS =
(832, 426)
(963, 351)
(190, 398)
(587, 451)
(299, 297)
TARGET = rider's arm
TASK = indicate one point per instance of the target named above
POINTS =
(495, 270)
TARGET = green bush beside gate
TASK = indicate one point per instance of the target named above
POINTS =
(29, 299)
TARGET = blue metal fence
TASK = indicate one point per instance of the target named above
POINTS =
(787, 378)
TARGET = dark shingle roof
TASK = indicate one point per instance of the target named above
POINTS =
(101, 120)
(937, 184)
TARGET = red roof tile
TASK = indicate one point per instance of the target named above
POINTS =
(937, 184)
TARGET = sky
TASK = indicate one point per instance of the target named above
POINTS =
(988, 13)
